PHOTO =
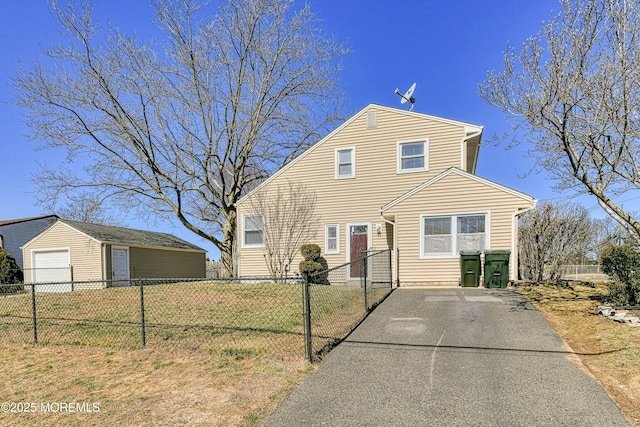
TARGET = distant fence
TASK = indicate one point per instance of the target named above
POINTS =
(236, 315)
(214, 269)
(583, 272)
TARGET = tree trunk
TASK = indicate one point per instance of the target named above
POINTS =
(227, 252)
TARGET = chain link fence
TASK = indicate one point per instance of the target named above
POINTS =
(338, 299)
(246, 316)
(222, 316)
(583, 272)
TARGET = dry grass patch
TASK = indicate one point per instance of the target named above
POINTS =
(217, 354)
(145, 387)
(609, 350)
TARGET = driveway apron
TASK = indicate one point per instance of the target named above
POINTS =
(454, 357)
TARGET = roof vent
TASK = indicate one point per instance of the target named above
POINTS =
(372, 120)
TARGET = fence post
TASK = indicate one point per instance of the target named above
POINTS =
(390, 264)
(364, 287)
(306, 304)
(144, 334)
(33, 308)
(397, 267)
(72, 284)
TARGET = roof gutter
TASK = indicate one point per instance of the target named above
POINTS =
(514, 224)
(393, 224)
(395, 246)
(463, 152)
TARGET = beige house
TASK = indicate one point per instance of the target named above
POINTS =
(395, 179)
(69, 252)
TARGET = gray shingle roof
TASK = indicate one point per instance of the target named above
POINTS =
(15, 221)
(129, 236)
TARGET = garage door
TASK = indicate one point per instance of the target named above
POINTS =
(52, 266)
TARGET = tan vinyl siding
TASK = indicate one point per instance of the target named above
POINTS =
(376, 182)
(146, 262)
(454, 194)
(107, 256)
(85, 253)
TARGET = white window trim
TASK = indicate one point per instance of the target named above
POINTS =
(337, 163)
(326, 239)
(399, 144)
(244, 223)
(454, 231)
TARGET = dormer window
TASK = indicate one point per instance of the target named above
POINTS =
(413, 156)
(345, 163)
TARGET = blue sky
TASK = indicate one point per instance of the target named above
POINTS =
(445, 47)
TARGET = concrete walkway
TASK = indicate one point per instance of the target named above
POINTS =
(450, 357)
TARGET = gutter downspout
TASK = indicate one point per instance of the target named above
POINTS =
(395, 247)
(514, 224)
(463, 152)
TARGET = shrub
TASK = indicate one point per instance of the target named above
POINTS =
(314, 267)
(310, 251)
(622, 264)
(10, 273)
(621, 294)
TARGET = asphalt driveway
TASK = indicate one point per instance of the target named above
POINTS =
(450, 357)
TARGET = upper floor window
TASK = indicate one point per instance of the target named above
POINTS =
(345, 163)
(412, 156)
(253, 229)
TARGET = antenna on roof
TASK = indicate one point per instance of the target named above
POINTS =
(408, 96)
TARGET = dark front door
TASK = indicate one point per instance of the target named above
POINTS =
(358, 247)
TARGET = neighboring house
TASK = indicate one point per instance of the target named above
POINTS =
(16, 232)
(70, 251)
(400, 180)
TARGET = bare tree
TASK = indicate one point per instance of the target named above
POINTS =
(573, 92)
(289, 221)
(182, 131)
(552, 235)
(89, 208)
(606, 232)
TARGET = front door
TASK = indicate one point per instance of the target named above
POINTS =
(120, 266)
(358, 244)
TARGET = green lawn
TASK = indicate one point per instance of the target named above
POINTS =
(214, 316)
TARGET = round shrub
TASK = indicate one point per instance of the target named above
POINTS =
(310, 251)
(314, 267)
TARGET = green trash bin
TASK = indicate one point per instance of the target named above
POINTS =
(469, 269)
(496, 268)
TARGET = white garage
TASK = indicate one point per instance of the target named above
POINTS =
(52, 266)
